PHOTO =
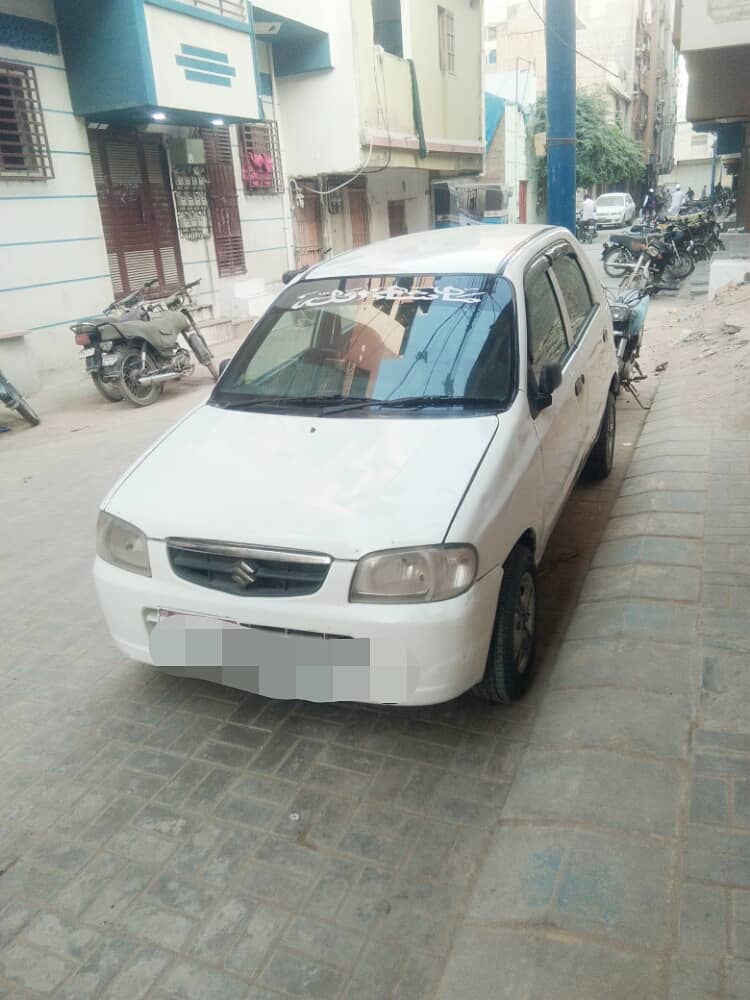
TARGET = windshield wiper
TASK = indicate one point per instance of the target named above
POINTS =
(416, 403)
(291, 401)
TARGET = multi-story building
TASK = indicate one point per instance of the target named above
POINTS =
(714, 37)
(631, 61)
(693, 151)
(401, 106)
(184, 139)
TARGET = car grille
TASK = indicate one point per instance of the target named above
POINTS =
(247, 571)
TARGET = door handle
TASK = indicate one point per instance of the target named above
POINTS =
(580, 382)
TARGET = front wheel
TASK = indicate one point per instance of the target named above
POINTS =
(133, 367)
(28, 412)
(109, 390)
(617, 262)
(510, 662)
(683, 267)
(602, 457)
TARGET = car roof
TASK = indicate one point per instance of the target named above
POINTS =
(461, 250)
(614, 194)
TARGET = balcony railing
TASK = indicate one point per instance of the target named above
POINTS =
(236, 9)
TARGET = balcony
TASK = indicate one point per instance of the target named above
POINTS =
(185, 62)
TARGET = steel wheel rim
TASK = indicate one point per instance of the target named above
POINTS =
(134, 387)
(524, 622)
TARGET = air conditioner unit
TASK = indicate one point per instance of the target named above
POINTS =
(186, 152)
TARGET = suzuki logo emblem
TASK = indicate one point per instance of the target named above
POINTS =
(243, 574)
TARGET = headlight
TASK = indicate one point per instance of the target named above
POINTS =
(121, 544)
(433, 573)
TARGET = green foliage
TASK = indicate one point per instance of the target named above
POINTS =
(604, 154)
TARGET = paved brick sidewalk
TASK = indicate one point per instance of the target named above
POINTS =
(621, 864)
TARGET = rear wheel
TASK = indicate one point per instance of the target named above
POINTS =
(618, 262)
(602, 457)
(132, 368)
(510, 662)
(109, 390)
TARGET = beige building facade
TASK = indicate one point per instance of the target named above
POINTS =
(633, 67)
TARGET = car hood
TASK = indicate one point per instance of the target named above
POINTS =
(339, 485)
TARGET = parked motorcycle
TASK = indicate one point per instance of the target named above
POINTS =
(629, 311)
(585, 231)
(133, 347)
(637, 255)
(15, 401)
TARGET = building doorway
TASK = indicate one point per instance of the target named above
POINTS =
(135, 202)
(397, 218)
(523, 194)
(307, 227)
(358, 213)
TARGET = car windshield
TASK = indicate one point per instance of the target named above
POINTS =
(369, 344)
(610, 201)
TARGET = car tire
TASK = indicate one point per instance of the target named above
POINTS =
(602, 456)
(510, 661)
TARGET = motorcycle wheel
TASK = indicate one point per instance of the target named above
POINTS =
(138, 395)
(614, 260)
(683, 267)
(28, 413)
(700, 251)
(109, 390)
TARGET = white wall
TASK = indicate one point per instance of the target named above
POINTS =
(709, 24)
(413, 186)
(167, 32)
(53, 264)
(318, 111)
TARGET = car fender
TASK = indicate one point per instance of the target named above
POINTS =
(505, 498)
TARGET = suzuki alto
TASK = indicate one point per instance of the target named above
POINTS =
(358, 510)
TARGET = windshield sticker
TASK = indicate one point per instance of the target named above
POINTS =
(392, 293)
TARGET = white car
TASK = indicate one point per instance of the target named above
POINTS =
(374, 478)
(615, 209)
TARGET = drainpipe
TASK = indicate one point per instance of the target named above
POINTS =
(417, 106)
(561, 113)
(251, 22)
(714, 159)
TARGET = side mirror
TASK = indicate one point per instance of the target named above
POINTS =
(222, 366)
(550, 378)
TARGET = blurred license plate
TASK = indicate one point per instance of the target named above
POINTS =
(87, 352)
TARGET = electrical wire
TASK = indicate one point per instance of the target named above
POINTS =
(382, 113)
(569, 46)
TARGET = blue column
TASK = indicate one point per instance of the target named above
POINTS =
(561, 113)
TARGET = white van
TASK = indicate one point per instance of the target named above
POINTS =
(358, 510)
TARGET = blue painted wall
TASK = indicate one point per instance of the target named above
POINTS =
(106, 54)
(28, 33)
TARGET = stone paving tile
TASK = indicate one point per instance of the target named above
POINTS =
(627, 663)
(579, 882)
(658, 620)
(693, 977)
(617, 719)
(668, 501)
(660, 582)
(507, 965)
(33, 969)
(592, 786)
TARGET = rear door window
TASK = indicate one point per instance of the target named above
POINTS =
(575, 292)
(547, 340)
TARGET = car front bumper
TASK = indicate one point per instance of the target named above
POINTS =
(431, 652)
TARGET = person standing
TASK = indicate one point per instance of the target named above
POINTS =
(704, 193)
(650, 205)
(677, 200)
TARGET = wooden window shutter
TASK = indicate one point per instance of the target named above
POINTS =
(222, 199)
